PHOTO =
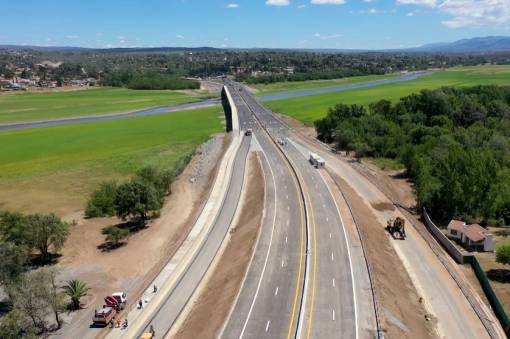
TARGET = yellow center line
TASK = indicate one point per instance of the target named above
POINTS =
(300, 269)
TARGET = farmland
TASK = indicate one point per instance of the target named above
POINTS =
(309, 108)
(21, 107)
(55, 168)
(288, 86)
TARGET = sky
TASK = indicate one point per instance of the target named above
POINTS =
(349, 24)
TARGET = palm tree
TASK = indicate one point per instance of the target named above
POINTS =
(76, 289)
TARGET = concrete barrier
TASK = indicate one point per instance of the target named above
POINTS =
(234, 123)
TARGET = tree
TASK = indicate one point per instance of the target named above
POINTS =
(15, 325)
(53, 295)
(102, 201)
(29, 297)
(47, 231)
(503, 254)
(14, 259)
(13, 228)
(76, 289)
(136, 199)
(115, 234)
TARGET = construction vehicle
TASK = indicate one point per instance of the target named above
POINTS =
(104, 316)
(396, 227)
(248, 132)
(316, 161)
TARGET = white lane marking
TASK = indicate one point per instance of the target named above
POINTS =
(333, 282)
(268, 251)
(327, 219)
(333, 316)
(276, 291)
(287, 196)
(332, 257)
(330, 236)
(268, 322)
(283, 262)
(285, 239)
(288, 208)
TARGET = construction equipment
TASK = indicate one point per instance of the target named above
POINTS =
(396, 227)
(104, 316)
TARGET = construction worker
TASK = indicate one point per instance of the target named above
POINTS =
(140, 304)
(155, 288)
(151, 329)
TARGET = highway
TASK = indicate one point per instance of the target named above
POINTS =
(328, 303)
(271, 304)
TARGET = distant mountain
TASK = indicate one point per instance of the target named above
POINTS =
(474, 45)
(481, 45)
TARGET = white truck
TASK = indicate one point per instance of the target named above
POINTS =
(316, 160)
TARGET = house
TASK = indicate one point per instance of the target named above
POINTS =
(473, 237)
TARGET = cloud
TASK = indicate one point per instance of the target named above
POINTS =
(328, 2)
(468, 13)
(301, 6)
(410, 14)
(277, 2)
(232, 6)
(72, 36)
(429, 3)
(179, 36)
(328, 37)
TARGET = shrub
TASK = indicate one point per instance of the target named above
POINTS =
(115, 234)
(503, 254)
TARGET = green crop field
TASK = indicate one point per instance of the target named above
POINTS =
(55, 168)
(309, 108)
(288, 86)
(20, 107)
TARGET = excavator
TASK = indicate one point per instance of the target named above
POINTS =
(396, 227)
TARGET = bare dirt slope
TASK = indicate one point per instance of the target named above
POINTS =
(211, 308)
(131, 267)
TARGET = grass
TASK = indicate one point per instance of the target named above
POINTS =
(22, 107)
(310, 108)
(288, 86)
(55, 168)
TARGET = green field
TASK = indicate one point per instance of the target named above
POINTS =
(310, 108)
(18, 107)
(281, 87)
(55, 168)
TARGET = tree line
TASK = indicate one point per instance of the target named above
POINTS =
(454, 143)
(113, 66)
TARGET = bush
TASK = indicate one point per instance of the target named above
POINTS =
(115, 235)
(503, 254)
(102, 201)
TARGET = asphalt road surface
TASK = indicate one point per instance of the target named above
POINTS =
(328, 307)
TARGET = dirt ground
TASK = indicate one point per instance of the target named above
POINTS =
(211, 308)
(402, 316)
(131, 267)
